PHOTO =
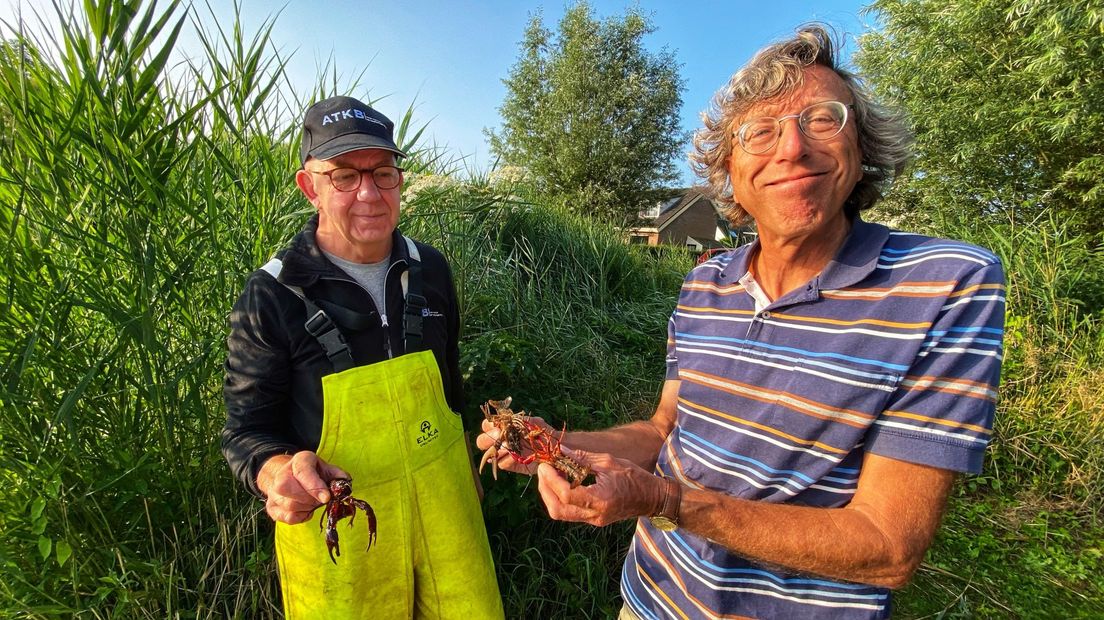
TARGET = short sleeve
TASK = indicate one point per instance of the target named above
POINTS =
(941, 414)
(672, 356)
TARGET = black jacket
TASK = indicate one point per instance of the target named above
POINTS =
(273, 387)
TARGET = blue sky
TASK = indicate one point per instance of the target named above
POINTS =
(450, 57)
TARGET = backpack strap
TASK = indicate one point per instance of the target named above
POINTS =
(318, 323)
(325, 330)
(415, 304)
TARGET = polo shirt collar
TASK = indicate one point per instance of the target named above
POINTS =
(741, 261)
(855, 260)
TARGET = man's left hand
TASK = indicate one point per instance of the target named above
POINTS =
(622, 491)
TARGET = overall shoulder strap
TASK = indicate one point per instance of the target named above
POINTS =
(318, 323)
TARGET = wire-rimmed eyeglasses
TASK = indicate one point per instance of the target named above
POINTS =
(349, 179)
(820, 121)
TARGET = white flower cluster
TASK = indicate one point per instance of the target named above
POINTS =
(422, 183)
(509, 176)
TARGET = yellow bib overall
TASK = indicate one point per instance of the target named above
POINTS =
(389, 426)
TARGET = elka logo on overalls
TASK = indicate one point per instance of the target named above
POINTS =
(428, 433)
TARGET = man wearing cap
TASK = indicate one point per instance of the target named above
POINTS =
(343, 364)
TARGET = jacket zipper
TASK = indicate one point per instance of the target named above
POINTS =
(386, 336)
(383, 315)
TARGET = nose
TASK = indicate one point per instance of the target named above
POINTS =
(367, 191)
(791, 140)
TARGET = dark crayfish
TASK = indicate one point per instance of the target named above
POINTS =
(342, 504)
(527, 442)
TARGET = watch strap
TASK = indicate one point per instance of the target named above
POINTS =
(672, 500)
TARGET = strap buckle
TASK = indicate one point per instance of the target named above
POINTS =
(412, 318)
(318, 324)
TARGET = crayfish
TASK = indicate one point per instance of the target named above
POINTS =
(527, 442)
(342, 504)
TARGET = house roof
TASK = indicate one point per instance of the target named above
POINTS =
(677, 206)
(669, 204)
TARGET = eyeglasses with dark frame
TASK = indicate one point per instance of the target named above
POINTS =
(820, 121)
(349, 179)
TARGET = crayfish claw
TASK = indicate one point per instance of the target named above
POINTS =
(371, 526)
(332, 544)
(490, 455)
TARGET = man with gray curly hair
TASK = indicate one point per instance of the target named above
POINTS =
(824, 384)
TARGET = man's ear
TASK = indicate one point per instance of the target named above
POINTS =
(305, 181)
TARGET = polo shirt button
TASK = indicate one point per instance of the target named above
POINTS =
(765, 315)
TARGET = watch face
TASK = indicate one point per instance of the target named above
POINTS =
(663, 523)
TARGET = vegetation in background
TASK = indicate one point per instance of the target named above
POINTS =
(591, 114)
(1004, 97)
(135, 200)
(131, 202)
(570, 321)
(1025, 538)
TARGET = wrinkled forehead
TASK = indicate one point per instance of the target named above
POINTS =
(816, 84)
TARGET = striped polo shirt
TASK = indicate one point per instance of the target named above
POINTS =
(895, 349)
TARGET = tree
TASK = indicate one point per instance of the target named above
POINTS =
(1005, 99)
(591, 114)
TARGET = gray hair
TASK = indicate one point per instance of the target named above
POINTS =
(775, 71)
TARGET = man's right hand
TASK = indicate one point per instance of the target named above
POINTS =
(295, 485)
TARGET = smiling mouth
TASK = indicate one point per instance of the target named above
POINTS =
(802, 177)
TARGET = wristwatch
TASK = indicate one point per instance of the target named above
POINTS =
(667, 517)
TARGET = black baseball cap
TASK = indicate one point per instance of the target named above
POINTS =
(338, 125)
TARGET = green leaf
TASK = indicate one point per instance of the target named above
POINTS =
(100, 594)
(45, 545)
(39, 525)
(37, 506)
(64, 551)
(1001, 103)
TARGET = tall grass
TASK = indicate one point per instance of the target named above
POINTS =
(135, 199)
(1026, 538)
(132, 203)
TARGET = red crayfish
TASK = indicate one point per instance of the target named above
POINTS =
(342, 504)
(527, 442)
